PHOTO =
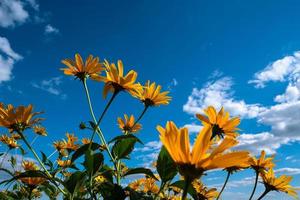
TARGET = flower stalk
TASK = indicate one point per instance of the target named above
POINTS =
(224, 185)
(255, 184)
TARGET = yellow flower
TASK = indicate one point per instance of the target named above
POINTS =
(19, 118)
(203, 192)
(40, 130)
(128, 124)
(220, 122)
(150, 185)
(100, 179)
(64, 163)
(9, 141)
(152, 96)
(115, 81)
(29, 165)
(193, 163)
(85, 140)
(70, 143)
(135, 185)
(281, 183)
(91, 68)
(238, 167)
(32, 181)
(262, 163)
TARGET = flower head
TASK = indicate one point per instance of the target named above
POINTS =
(100, 179)
(115, 80)
(64, 163)
(9, 141)
(40, 130)
(85, 141)
(204, 192)
(152, 95)
(18, 119)
(220, 122)
(193, 163)
(91, 68)
(29, 166)
(128, 125)
(262, 163)
(281, 183)
(31, 181)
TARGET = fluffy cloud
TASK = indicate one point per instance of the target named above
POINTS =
(255, 143)
(49, 29)
(280, 70)
(193, 128)
(8, 57)
(13, 12)
(219, 93)
(288, 171)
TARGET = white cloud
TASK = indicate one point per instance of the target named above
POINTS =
(220, 93)
(283, 119)
(288, 171)
(255, 143)
(8, 57)
(49, 29)
(51, 86)
(280, 70)
(193, 128)
(149, 153)
(12, 12)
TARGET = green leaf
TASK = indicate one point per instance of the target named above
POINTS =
(74, 182)
(121, 137)
(140, 170)
(123, 148)
(180, 184)
(165, 167)
(83, 149)
(93, 162)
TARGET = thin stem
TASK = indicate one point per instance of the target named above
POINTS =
(51, 154)
(227, 178)
(91, 107)
(34, 139)
(97, 128)
(118, 173)
(255, 184)
(141, 115)
(264, 194)
(38, 159)
(186, 187)
(4, 157)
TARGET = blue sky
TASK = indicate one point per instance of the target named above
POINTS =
(239, 54)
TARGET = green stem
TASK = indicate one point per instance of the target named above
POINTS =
(264, 194)
(141, 115)
(255, 184)
(38, 159)
(118, 173)
(97, 128)
(91, 109)
(186, 187)
(227, 178)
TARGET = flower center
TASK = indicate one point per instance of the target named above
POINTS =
(217, 131)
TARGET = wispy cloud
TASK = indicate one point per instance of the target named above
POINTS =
(49, 29)
(288, 171)
(51, 86)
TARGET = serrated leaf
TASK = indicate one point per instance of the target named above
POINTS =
(93, 161)
(140, 170)
(165, 166)
(121, 137)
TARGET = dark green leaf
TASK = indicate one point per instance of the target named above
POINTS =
(165, 167)
(180, 184)
(74, 182)
(93, 162)
(140, 170)
(83, 149)
(123, 148)
(121, 137)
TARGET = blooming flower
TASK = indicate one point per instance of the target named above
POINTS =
(193, 164)
(204, 192)
(90, 68)
(281, 183)
(19, 118)
(9, 141)
(262, 163)
(31, 181)
(40, 130)
(115, 80)
(220, 122)
(128, 124)
(152, 95)
(64, 163)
